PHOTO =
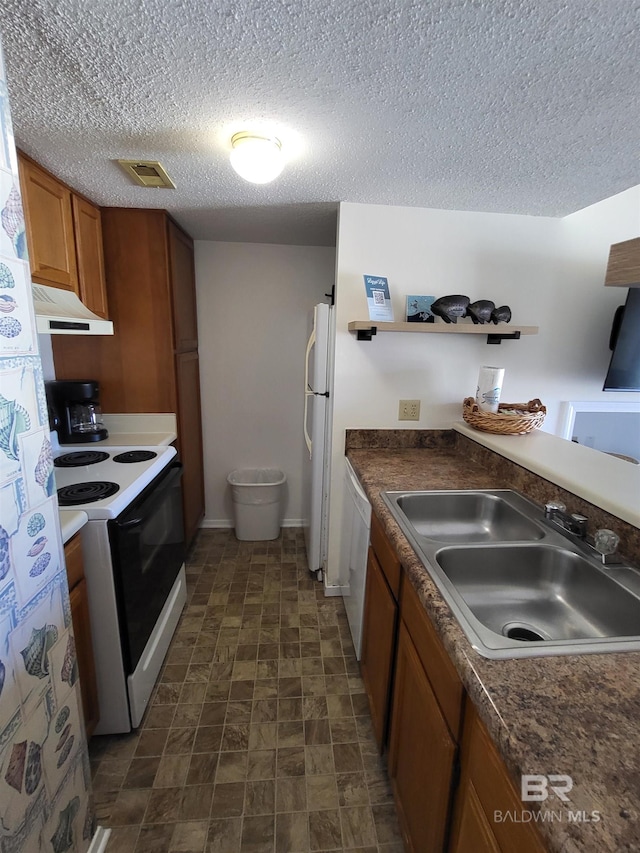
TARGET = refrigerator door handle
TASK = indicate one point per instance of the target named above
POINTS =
(307, 437)
(310, 344)
(307, 391)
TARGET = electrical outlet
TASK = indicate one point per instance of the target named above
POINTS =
(409, 410)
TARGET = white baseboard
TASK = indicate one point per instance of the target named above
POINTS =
(99, 840)
(330, 591)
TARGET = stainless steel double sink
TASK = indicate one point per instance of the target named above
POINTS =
(518, 587)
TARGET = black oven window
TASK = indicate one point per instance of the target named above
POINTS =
(148, 549)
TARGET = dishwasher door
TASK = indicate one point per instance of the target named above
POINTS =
(355, 545)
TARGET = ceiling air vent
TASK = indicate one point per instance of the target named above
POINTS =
(147, 173)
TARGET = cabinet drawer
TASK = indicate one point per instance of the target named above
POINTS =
(73, 559)
(389, 563)
(442, 673)
(483, 765)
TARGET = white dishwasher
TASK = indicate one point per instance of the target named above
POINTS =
(355, 545)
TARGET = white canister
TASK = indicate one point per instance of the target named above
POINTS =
(489, 388)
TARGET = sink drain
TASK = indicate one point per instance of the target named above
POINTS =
(522, 631)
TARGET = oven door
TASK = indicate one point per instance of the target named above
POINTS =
(147, 551)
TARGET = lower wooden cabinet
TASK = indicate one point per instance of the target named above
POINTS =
(472, 831)
(82, 633)
(378, 645)
(447, 776)
(486, 789)
(380, 628)
(422, 754)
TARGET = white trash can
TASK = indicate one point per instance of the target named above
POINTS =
(257, 502)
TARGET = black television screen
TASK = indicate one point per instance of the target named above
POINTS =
(624, 368)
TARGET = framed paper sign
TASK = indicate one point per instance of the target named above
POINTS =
(419, 309)
(378, 298)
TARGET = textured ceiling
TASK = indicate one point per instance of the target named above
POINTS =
(514, 106)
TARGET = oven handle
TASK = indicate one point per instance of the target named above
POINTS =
(133, 522)
(164, 481)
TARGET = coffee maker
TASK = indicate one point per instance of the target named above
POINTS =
(74, 411)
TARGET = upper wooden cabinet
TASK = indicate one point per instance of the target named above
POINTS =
(64, 237)
(150, 364)
(49, 226)
(623, 267)
(185, 322)
(90, 255)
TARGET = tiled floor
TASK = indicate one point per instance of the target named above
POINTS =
(258, 737)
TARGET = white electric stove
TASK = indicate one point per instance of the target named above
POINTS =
(103, 483)
(133, 549)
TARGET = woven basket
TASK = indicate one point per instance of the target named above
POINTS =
(519, 419)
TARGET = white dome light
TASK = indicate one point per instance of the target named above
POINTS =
(256, 158)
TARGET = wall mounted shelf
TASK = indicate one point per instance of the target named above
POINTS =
(495, 334)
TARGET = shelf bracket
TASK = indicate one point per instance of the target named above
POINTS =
(498, 338)
(366, 334)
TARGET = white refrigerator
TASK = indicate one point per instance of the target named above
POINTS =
(317, 419)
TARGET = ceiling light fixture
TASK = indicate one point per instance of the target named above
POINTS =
(256, 158)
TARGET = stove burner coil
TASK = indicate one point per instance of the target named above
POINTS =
(135, 456)
(80, 457)
(86, 493)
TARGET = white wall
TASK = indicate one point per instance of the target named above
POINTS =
(254, 301)
(612, 432)
(586, 238)
(550, 272)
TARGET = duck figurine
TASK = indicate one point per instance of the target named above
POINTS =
(450, 307)
(480, 311)
(501, 314)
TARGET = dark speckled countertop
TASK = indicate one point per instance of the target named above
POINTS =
(577, 714)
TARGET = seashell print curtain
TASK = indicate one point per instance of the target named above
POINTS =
(44, 767)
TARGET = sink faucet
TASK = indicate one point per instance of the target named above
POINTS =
(603, 544)
(574, 523)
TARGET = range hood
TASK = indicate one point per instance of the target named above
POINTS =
(60, 312)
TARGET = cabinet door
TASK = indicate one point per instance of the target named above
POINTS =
(378, 643)
(190, 440)
(472, 831)
(84, 654)
(421, 754)
(487, 787)
(182, 276)
(90, 255)
(49, 226)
